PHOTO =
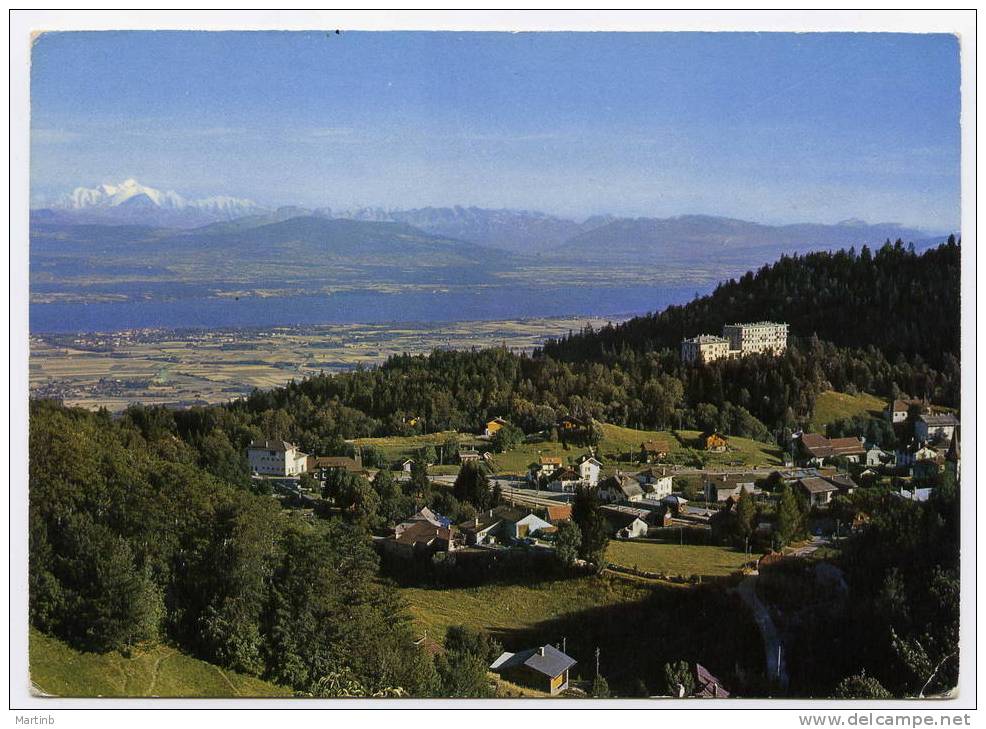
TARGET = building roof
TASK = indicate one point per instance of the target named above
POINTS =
(549, 460)
(545, 659)
(707, 339)
(899, 406)
(815, 485)
(586, 458)
(421, 532)
(559, 512)
(623, 484)
(818, 446)
(498, 421)
(337, 462)
(432, 517)
(272, 445)
(565, 474)
(652, 446)
(620, 517)
(708, 686)
(937, 421)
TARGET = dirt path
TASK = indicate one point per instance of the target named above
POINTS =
(772, 645)
(156, 671)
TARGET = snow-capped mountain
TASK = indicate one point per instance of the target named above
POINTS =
(131, 201)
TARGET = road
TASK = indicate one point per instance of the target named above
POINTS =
(773, 647)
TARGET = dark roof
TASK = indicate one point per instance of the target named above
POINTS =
(945, 419)
(619, 518)
(546, 659)
(421, 532)
(565, 474)
(818, 446)
(272, 445)
(337, 462)
(708, 686)
(815, 485)
(623, 484)
(652, 446)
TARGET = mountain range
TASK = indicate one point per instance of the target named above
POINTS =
(233, 223)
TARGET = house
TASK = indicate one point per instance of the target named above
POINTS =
(875, 456)
(589, 469)
(652, 452)
(620, 487)
(897, 410)
(676, 504)
(482, 529)
(938, 428)
(916, 494)
(558, 513)
(817, 490)
(571, 424)
(430, 646)
(815, 449)
(545, 466)
(423, 515)
(719, 489)
(913, 452)
(544, 668)
(526, 526)
(493, 426)
(564, 481)
(276, 458)
(714, 442)
(325, 464)
(626, 522)
(656, 483)
(420, 537)
(468, 456)
(707, 686)
(406, 465)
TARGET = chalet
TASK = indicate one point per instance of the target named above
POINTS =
(589, 469)
(544, 668)
(626, 522)
(815, 449)
(719, 489)
(898, 410)
(493, 426)
(564, 481)
(937, 428)
(420, 537)
(482, 529)
(818, 491)
(545, 466)
(276, 458)
(714, 442)
(656, 483)
(652, 452)
(406, 465)
(571, 424)
(620, 487)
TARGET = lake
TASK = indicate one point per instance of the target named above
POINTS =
(359, 306)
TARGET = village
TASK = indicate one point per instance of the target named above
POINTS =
(645, 496)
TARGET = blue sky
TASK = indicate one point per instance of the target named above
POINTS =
(769, 127)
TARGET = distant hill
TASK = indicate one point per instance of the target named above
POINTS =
(725, 241)
(519, 231)
(895, 299)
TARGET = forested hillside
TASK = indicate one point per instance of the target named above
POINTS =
(896, 300)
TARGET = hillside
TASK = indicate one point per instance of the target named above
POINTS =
(725, 240)
(894, 299)
(58, 670)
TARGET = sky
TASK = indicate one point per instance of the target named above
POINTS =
(772, 127)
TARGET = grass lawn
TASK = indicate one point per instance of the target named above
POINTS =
(499, 607)
(59, 670)
(831, 406)
(672, 559)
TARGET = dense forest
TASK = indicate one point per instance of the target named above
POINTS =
(147, 526)
(896, 300)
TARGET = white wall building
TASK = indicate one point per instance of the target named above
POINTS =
(589, 470)
(704, 348)
(276, 458)
(756, 337)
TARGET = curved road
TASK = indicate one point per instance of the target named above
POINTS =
(773, 647)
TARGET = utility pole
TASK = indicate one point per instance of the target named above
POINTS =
(564, 644)
(597, 661)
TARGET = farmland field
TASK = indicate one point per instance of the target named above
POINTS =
(673, 559)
